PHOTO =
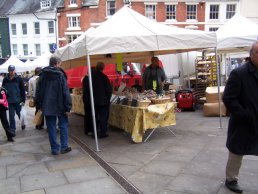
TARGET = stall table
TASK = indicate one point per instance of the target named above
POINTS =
(137, 120)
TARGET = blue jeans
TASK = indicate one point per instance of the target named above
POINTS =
(13, 108)
(52, 132)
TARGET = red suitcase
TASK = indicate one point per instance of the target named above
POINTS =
(186, 99)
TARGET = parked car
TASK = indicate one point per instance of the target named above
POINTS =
(130, 72)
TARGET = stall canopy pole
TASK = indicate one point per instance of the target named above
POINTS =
(218, 83)
(188, 76)
(92, 102)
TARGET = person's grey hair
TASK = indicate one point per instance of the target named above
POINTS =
(54, 61)
(253, 45)
(100, 66)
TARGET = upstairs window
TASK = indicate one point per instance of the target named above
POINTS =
(73, 21)
(24, 28)
(13, 29)
(51, 28)
(191, 12)
(72, 2)
(214, 12)
(150, 11)
(36, 28)
(171, 12)
(111, 7)
(231, 10)
(45, 4)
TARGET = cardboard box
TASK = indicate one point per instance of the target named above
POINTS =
(212, 94)
(212, 109)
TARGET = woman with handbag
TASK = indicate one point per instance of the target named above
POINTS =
(3, 115)
(32, 93)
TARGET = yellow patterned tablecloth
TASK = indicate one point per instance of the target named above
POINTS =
(136, 120)
(77, 104)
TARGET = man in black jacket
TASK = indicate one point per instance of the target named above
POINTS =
(16, 95)
(53, 98)
(102, 91)
(240, 98)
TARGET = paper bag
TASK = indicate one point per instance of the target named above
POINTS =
(38, 118)
(32, 103)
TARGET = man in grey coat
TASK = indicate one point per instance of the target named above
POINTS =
(240, 98)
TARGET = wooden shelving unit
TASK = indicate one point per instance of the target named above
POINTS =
(206, 75)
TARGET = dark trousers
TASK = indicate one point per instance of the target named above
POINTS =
(5, 123)
(102, 114)
(88, 126)
(101, 118)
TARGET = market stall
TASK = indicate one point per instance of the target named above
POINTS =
(137, 39)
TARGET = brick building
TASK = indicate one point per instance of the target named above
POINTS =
(76, 16)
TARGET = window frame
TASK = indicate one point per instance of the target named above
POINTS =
(230, 12)
(36, 28)
(74, 23)
(151, 8)
(110, 10)
(213, 29)
(24, 30)
(71, 37)
(14, 30)
(25, 51)
(51, 27)
(214, 14)
(37, 49)
(44, 4)
(15, 50)
(191, 14)
(171, 13)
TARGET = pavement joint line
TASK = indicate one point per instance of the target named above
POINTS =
(124, 183)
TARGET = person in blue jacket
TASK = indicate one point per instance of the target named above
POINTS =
(54, 100)
(16, 95)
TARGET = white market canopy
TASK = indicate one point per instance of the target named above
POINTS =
(42, 61)
(238, 34)
(136, 37)
(13, 60)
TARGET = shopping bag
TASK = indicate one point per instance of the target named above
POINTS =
(38, 118)
(32, 103)
(23, 116)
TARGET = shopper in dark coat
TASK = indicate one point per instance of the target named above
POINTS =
(240, 98)
(53, 98)
(16, 96)
(102, 91)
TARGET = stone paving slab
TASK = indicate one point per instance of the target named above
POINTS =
(10, 185)
(99, 186)
(43, 180)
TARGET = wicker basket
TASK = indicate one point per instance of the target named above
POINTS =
(160, 100)
(143, 103)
